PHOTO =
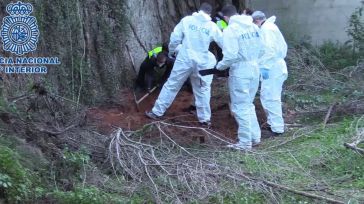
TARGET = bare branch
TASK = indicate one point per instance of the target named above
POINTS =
(354, 147)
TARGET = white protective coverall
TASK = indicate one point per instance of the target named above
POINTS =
(242, 47)
(273, 59)
(195, 33)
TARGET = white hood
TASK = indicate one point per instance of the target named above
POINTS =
(271, 19)
(202, 16)
(242, 20)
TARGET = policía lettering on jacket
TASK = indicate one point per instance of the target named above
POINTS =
(248, 36)
(199, 29)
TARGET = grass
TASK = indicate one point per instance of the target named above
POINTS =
(308, 101)
(86, 195)
(311, 159)
(315, 162)
(20, 182)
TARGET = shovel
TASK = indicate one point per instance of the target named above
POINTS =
(137, 102)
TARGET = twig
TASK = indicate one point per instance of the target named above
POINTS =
(294, 137)
(294, 125)
(150, 177)
(176, 173)
(82, 26)
(354, 147)
(310, 195)
(16, 99)
(327, 117)
(40, 129)
(281, 187)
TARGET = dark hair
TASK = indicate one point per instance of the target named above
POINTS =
(206, 7)
(229, 10)
(248, 11)
(161, 57)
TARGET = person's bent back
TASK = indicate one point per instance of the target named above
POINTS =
(195, 33)
(192, 37)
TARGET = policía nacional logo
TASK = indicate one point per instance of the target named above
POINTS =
(19, 31)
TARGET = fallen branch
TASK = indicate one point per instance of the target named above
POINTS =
(309, 195)
(328, 114)
(51, 132)
(294, 125)
(174, 173)
(295, 136)
(354, 147)
(348, 108)
(359, 137)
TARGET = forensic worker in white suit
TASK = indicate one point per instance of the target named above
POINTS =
(272, 60)
(192, 36)
(242, 47)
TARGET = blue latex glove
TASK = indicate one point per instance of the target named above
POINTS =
(264, 73)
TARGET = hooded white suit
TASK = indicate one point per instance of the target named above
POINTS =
(273, 59)
(194, 33)
(242, 47)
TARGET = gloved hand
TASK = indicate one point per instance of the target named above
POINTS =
(264, 73)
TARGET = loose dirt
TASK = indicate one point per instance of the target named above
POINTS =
(126, 115)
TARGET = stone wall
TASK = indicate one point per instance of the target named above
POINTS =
(320, 20)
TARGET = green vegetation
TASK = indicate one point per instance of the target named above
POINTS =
(242, 196)
(16, 182)
(86, 195)
(20, 184)
(328, 74)
(312, 159)
(356, 30)
(336, 56)
(309, 159)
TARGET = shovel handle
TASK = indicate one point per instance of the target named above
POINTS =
(146, 95)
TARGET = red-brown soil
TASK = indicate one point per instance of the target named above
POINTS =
(126, 115)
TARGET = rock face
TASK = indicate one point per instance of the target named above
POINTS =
(90, 38)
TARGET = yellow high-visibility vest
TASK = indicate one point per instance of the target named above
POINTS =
(221, 24)
(154, 52)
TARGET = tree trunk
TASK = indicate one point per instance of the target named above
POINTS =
(90, 38)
